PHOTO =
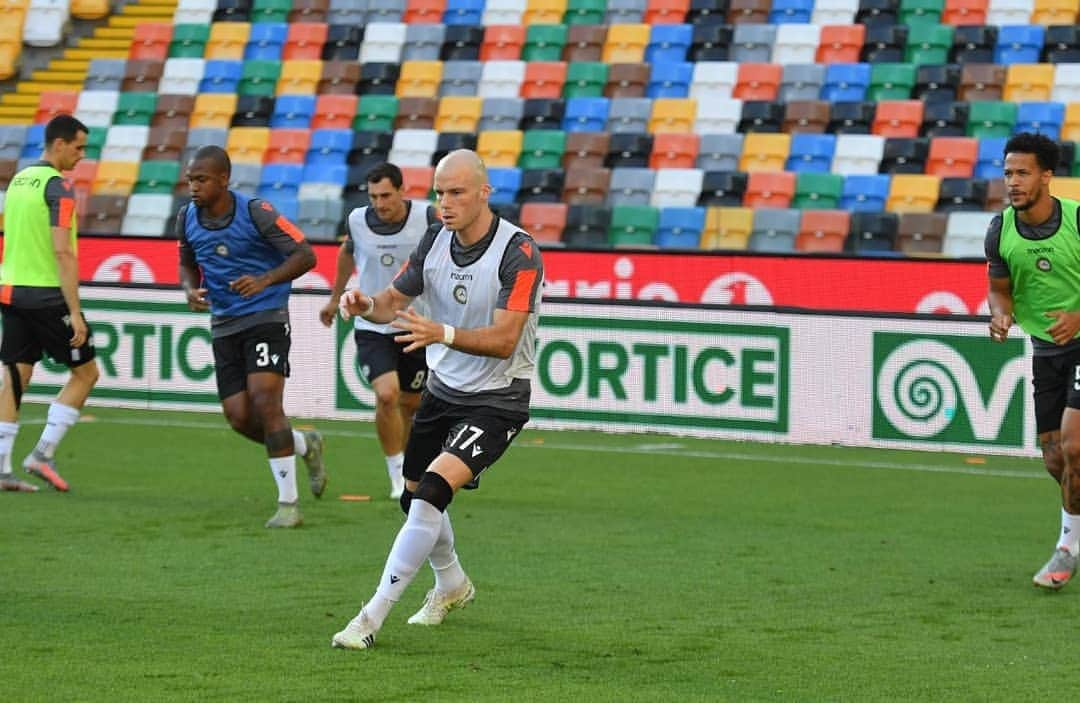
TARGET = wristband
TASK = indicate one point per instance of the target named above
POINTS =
(370, 308)
(447, 334)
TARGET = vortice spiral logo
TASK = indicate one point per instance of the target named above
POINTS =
(948, 389)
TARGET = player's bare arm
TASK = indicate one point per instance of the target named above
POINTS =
(299, 262)
(1001, 308)
(381, 307)
(345, 268)
(190, 280)
(499, 339)
(67, 265)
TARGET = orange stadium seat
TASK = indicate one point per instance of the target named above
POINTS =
(543, 79)
(952, 157)
(674, 150)
(151, 41)
(964, 12)
(305, 40)
(666, 11)
(898, 118)
(758, 81)
(769, 189)
(55, 102)
(823, 231)
(287, 146)
(418, 181)
(840, 43)
(334, 111)
(544, 221)
(502, 42)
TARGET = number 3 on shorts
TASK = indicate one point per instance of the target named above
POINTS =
(262, 349)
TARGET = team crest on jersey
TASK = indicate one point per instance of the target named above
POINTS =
(461, 294)
(1043, 264)
(221, 250)
(386, 259)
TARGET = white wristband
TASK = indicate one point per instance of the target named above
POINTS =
(447, 334)
(370, 308)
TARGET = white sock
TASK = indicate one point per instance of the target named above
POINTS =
(57, 423)
(449, 576)
(299, 443)
(411, 548)
(8, 430)
(284, 470)
(394, 465)
(1070, 533)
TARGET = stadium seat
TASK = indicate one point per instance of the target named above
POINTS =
(194, 11)
(501, 79)
(115, 178)
(305, 41)
(905, 155)
(965, 234)
(265, 42)
(670, 80)
(199, 137)
(253, 111)
(500, 148)
(458, 114)
(774, 230)
(419, 79)
(213, 109)
(710, 42)
(501, 114)
(668, 42)
(125, 143)
(227, 40)
(46, 22)
(503, 12)
(135, 108)
(424, 11)
(752, 43)
(937, 83)
(891, 81)
(974, 44)
(817, 191)
(898, 118)
(461, 78)
(851, 117)
(383, 42)
(765, 152)
(840, 43)
(141, 75)
(299, 77)
(1043, 117)
(878, 12)
(279, 181)
(679, 227)
(769, 189)
(846, 82)
(367, 150)
(342, 43)
(221, 76)
(1070, 128)
(1019, 44)
(912, 192)
(189, 41)
(319, 218)
(801, 81)
(748, 11)
(181, 76)
(872, 233)
(584, 42)
(1054, 12)
(633, 225)
(81, 176)
(795, 44)
(270, 11)
(89, 9)
(720, 152)
(544, 221)
(723, 188)
(964, 12)
(247, 144)
(539, 185)
(544, 12)
(990, 158)
(157, 177)
(631, 186)
(586, 186)
(823, 231)
(991, 119)
(945, 118)
(543, 79)
(503, 43)
(586, 114)
(964, 194)
(287, 146)
(707, 12)
(12, 137)
(296, 111)
(105, 74)
(146, 214)
(96, 107)
(104, 213)
(672, 115)
(865, 192)
(585, 150)
(758, 81)
(544, 42)
(1028, 82)
(785, 12)
(586, 225)
(677, 187)
(505, 184)
(542, 149)
(338, 78)
(674, 151)
(627, 80)
(929, 44)
(625, 43)
(811, 152)
(718, 115)
(304, 11)
(423, 42)
(629, 115)
(151, 40)
(377, 79)
(952, 157)
(982, 82)
(1066, 83)
(585, 79)
(921, 233)
(727, 228)
(165, 144)
(806, 116)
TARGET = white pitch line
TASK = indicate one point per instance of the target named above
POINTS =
(649, 449)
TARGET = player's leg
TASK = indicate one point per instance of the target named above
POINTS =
(389, 428)
(54, 330)
(1058, 429)
(16, 377)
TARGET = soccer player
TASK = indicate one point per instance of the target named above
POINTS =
(238, 257)
(381, 237)
(480, 277)
(39, 298)
(1033, 251)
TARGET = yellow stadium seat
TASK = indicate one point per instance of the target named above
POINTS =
(544, 12)
(1065, 188)
(727, 228)
(1050, 12)
(1029, 82)
(1070, 129)
(419, 79)
(89, 9)
(299, 76)
(227, 40)
(247, 144)
(913, 192)
(213, 110)
(115, 178)
(626, 43)
(458, 113)
(500, 149)
(764, 152)
(673, 115)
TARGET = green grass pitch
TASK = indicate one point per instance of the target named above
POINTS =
(608, 568)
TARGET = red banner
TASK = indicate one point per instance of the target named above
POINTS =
(882, 285)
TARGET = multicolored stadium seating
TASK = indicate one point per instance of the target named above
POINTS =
(866, 126)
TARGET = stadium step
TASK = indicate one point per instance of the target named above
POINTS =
(125, 33)
(35, 87)
(20, 99)
(80, 65)
(147, 12)
(82, 53)
(16, 114)
(106, 44)
(51, 75)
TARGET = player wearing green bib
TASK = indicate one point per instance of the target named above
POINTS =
(39, 299)
(1033, 255)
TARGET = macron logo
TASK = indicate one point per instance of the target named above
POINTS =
(476, 450)
(275, 358)
(394, 579)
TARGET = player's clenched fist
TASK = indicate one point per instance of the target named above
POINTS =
(355, 303)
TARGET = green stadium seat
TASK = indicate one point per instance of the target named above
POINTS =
(157, 177)
(585, 79)
(544, 42)
(271, 10)
(95, 140)
(929, 44)
(918, 13)
(542, 148)
(135, 108)
(891, 81)
(633, 225)
(376, 113)
(991, 118)
(585, 12)
(817, 191)
(259, 78)
(189, 41)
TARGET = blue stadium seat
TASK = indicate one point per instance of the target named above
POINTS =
(865, 193)
(668, 42)
(791, 11)
(221, 76)
(266, 41)
(1042, 117)
(463, 12)
(991, 159)
(811, 153)
(846, 82)
(505, 184)
(287, 206)
(679, 227)
(586, 114)
(1019, 43)
(329, 147)
(279, 181)
(334, 173)
(670, 80)
(293, 111)
(33, 142)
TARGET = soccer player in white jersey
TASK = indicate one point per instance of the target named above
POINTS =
(381, 237)
(480, 277)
